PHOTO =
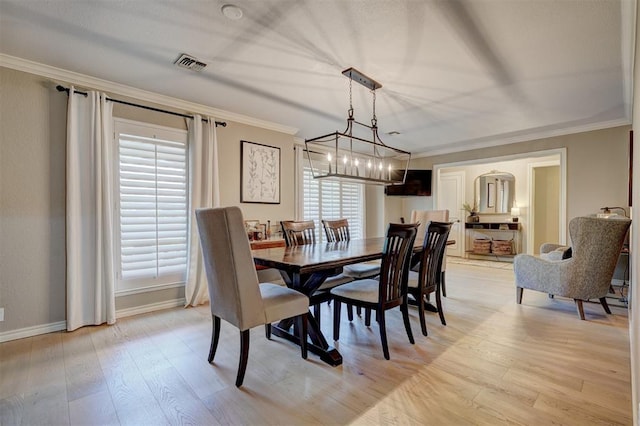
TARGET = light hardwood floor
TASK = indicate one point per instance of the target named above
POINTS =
(494, 363)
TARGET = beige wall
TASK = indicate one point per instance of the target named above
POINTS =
(32, 196)
(546, 211)
(32, 201)
(597, 166)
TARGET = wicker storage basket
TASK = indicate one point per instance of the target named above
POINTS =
(481, 246)
(502, 247)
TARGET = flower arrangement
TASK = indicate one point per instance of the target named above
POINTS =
(471, 210)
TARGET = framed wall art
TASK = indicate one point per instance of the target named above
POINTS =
(260, 173)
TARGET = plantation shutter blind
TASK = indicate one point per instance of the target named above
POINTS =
(327, 199)
(153, 208)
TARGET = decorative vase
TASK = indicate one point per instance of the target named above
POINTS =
(472, 218)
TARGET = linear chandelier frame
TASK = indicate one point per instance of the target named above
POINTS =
(343, 155)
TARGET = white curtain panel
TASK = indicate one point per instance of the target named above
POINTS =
(204, 191)
(90, 268)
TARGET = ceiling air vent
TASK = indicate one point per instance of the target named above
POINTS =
(189, 62)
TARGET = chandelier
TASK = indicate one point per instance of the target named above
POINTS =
(343, 155)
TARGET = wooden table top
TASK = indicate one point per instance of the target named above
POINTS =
(315, 257)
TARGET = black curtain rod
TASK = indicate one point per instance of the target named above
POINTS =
(65, 89)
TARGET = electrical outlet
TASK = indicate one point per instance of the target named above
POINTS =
(1, 314)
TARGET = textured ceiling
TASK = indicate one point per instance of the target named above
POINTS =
(455, 74)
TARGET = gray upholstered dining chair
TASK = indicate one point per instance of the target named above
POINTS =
(387, 292)
(234, 292)
(423, 217)
(587, 274)
(426, 280)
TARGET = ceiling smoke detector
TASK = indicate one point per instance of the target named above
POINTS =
(189, 62)
(232, 12)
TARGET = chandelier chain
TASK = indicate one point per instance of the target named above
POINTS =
(374, 119)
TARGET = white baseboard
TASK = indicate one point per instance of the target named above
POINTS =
(32, 331)
(62, 325)
(137, 310)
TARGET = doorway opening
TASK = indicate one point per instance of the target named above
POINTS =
(533, 200)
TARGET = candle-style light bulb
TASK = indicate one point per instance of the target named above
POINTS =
(329, 159)
(356, 163)
(344, 161)
(389, 168)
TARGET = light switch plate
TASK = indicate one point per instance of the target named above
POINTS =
(1, 314)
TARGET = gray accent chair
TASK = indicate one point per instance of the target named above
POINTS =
(234, 292)
(587, 274)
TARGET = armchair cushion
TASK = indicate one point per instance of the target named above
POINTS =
(560, 253)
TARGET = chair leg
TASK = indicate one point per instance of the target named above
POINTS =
(302, 327)
(336, 319)
(580, 308)
(244, 356)
(605, 305)
(442, 284)
(267, 331)
(404, 308)
(383, 333)
(350, 312)
(215, 337)
(439, 305)
(359, 310)
(519, 295)
(423, 320)
(367, 317)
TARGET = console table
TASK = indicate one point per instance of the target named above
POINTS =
(503, 240)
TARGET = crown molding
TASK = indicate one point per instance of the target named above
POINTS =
(499, 140)
(62, 76)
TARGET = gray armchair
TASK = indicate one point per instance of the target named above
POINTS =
(587, 274)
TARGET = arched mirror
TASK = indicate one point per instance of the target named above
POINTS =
(495, 192)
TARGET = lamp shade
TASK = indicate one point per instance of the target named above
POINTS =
(515, 211)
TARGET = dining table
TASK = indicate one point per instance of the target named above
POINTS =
(305, 267)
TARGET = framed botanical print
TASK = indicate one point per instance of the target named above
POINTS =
(260, 173)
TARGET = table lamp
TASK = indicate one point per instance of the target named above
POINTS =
(515, 212)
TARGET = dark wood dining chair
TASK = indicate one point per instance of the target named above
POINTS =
(338, 230)
(426, 280)
(387, 292)
(423, 217)
(300, 233)
(234, 292)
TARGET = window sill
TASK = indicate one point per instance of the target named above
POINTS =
(148, 289)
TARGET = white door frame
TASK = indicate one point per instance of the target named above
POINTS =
(562, 214)
(460, 242)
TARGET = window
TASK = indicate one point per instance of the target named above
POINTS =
(329, 199)
(152, 205)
